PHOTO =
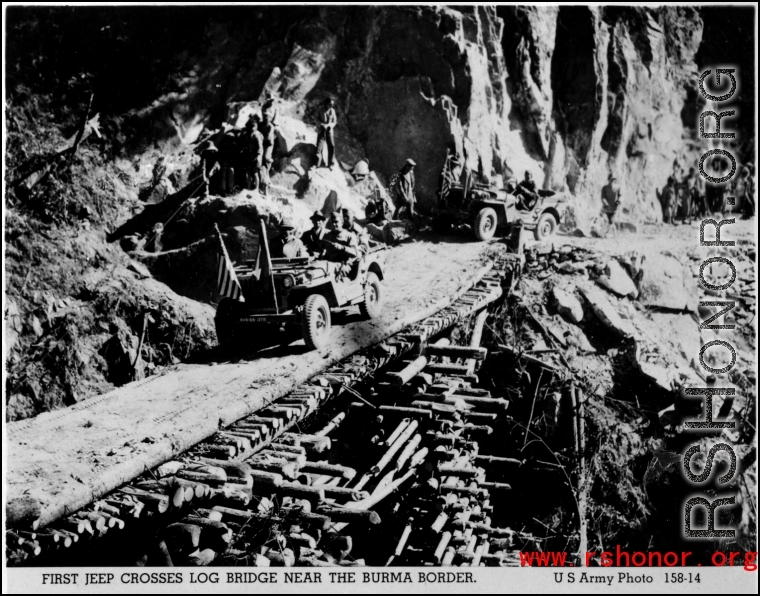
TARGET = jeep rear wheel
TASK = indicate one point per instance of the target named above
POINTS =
(315, 322)
(485, 224)
(372, 304)
(225, 322)
(546, 226)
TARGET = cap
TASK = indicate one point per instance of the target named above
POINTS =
(317, 216)
(210, 147)
(411, 162)
(288, 223)
(361, 168)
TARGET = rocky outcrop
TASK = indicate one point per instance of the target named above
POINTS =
(572, 94)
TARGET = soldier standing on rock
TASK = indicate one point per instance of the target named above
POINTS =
(403, 192)
(611, 201)
(209, 167)
(254, 153)
(327, 121)
(269, 133)
(668, 201)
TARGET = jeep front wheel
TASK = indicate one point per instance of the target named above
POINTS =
(315, 322)
(485, 224)
(372, 304)
(546, 226)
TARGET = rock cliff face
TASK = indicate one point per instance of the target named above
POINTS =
(570, 93)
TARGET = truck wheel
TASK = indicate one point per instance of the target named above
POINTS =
(546, 226)
(485, 224)
(225, 322)
(315, 322)
(373, 303)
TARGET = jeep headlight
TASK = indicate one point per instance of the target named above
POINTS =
(288, 282)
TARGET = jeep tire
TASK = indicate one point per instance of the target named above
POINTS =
(546, 226)
(373, 297)
(315, 322)
(485, 224)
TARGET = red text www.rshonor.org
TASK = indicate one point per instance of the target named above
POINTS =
(621, 558)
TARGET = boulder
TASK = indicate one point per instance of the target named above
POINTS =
(605, 311)
(616, 280)
(567, 305)
(666, 283)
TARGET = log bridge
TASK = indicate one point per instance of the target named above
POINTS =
(393, 431)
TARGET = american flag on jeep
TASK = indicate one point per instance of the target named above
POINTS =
(227, 281)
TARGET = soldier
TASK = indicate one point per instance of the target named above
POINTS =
(288, 245)
(351, 226)
(210, 168)
(327, 121)
(668, 201)
(313, 238)
(254, 153)
(695, 187)
(268, 110)
(527, 193)
(404, 192)
(340, 245)
(269, 133)
(611, 201)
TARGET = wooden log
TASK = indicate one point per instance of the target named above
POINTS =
(296, 458)
(323, 468)
(493, 461)
(448, 369)
(238, 442)
(408, 451)
(443, 544)
(229, 496)
(273, 423)
(178, 494)
(245, 426)
(333, 424)
(387, 457)
(396, 432)
(448, 557)
(318, 521)
(298, 450)
(474, 353)
(343, 514)
(97, 520)
(410, 412)
(313, 494)
(315, 444)
(219, 452)
(126, 507)
(341, 492)
(495, 486)
(406, 374)
(282, 467)
(252, 436)
(440, 521)
(460, 472)
(243, 516)
(232, 468)
(76, 525)
(263, 479)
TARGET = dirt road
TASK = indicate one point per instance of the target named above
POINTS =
(62, 457)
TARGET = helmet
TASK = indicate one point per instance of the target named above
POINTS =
(361, 168)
